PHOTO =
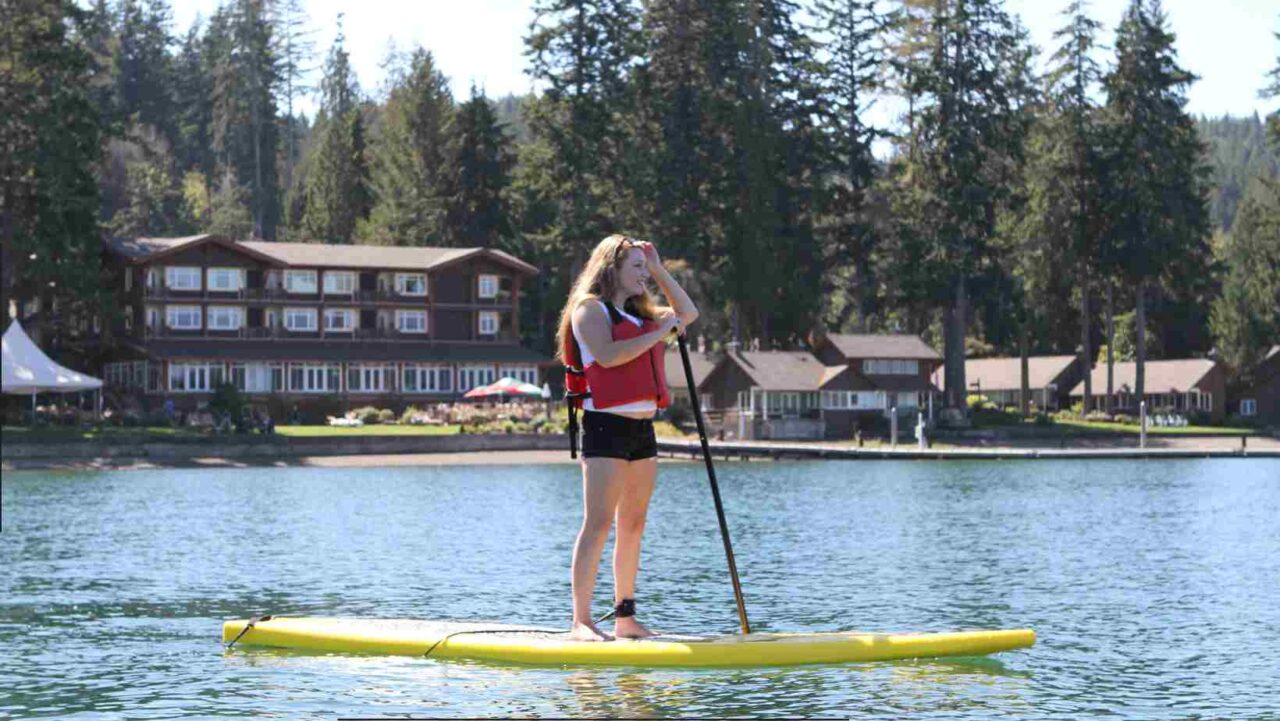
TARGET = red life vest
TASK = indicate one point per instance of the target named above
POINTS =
(640, 379)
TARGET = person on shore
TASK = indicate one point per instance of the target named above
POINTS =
(610, 341)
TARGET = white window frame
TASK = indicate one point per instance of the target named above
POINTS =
(234, 276)
(314, 377)
(128, 279)
(293, 313)
(1248, 407)
(490, 315)
(426, 378)
(254, 377)
(348, 313)
(182, 277)
(301, 282)
(403, 315)
(402, 282)
(195, 377)
(487, 285)
(890, 367)
(235, 313)
(1206, 401)
(475, 375)
(172, 312)
(331, 285)
(524, 372)
(371, 377)
(153, 278)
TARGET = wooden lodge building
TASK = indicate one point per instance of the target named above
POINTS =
(1183, 386)
(309, 320)
(1049, 378)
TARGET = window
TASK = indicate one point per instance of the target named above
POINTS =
(257, 377)
(183, 317)
(339, 319)
(411, 283)
(300, 319)
(195, 377)
(891, 367)
(314, 377)
(1249, 407)
(850, 400)
(128, 317)
(153, 278)
(369, 377)
(1206, 401)
(339, 282)
(488, 286)
(182, 278)
(300, 281)
(128, 279)
(488, 322)
(474, 376)
(411, 321)
(153, 317)
(427, 378)
(225, 317)
(522, 373)
(225, 280)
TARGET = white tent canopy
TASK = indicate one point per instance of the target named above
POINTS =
(27, 370)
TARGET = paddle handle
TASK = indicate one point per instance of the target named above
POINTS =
(715, 488)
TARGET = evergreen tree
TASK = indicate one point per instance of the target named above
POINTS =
(142, 65)
(50, 142)
(193, 103)
(964, 65)
(480, 162)
(853, 77)
(1158, 215)
(337, 195)
(410, 158)
(1246, 318)
(154, 202)
(245, 76)
(295, 48)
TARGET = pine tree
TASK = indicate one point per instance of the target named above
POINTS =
(337, 195)
(480, 161)
(193, 103)
(142, 65)
(245, 76)
(51, 136)
(295, 48)
(409, 158)
(1158, 215)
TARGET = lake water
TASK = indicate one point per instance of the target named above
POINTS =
(1154, 587)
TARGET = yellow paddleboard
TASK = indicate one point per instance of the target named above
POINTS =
(405, 637)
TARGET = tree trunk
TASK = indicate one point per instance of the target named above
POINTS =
(1086, 351)
(953, 350)
(1024, 394)
(1111, 348)
(1140, 338)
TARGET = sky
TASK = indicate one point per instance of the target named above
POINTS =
(1229, 44)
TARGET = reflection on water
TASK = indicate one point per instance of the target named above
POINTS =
(1148, 584)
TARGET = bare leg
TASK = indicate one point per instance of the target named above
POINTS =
(602, 482)
(633, 508)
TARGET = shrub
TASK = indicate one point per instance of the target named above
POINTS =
(1099, 417)
(679, 413)
(1125, 418)
(386, 415)
(367, 414)
(408, 417)
(976, 401)
(227, 399)
(1043, 420)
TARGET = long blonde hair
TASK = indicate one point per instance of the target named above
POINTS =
(599, 280)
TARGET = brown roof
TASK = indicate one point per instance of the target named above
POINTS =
(1005, 374)
(884, 346)
(780, 370)
(322, 255)
(701, 363)
(1163, 376)
(334, 350)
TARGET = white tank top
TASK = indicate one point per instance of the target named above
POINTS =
(588, 359)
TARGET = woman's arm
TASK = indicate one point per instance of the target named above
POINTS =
(596, 332)
(680, 301)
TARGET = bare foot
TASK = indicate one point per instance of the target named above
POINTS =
(629, 627)
(588, 632)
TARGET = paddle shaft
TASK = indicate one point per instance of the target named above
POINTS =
(715, 488)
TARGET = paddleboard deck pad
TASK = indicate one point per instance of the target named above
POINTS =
(516, 644)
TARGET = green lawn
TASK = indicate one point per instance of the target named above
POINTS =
(1110, 427)
(370, 430)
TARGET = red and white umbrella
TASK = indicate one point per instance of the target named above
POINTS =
(505, 386)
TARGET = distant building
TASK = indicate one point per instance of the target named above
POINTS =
(1050, 379)
(1261, 400)
(701, 363)
(895, 366)
(308, 321)
(1192, 384)
(772, 394)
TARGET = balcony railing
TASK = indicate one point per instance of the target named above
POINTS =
(277, 333)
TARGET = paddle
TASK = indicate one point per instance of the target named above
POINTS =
(715, 489)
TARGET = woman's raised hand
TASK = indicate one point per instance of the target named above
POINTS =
(671, 322)
(650, 254)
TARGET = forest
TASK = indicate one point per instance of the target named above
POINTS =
(1028, 200)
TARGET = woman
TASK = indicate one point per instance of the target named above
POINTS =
(611, 332)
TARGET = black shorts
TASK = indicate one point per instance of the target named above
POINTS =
(609, 435)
